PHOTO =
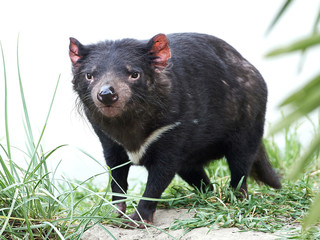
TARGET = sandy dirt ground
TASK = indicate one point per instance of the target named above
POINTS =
(163, 219)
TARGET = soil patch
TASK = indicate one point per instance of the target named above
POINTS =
(164, 218)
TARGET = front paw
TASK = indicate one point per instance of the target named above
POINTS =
(139, 221)
(121, 208)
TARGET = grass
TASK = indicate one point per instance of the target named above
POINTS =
(35, 204)
(32, 203)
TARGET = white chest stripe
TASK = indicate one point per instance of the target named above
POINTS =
(136, 156)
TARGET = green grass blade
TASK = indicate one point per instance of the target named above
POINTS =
(6, 104)
(50, 182)
(26, 217)
(279, 15)
(28, 176)
(24, 104)
(110, 234)
(47, 155)
(10, 211)
(4, 150)
(316, 23)
(8, 176)
(300, 45)
(52, 197)
(55, 229)
(90, 156)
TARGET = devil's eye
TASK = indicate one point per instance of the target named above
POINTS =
(89, 76)
(135, 75)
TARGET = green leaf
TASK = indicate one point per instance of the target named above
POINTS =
(300, 45)
(314, 213)
(310, 88)
(294, 116)
(279, 15)
(301, 103)
(305, 159)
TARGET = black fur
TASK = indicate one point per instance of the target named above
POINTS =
(214, 99)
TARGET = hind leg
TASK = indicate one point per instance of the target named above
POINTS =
(195, 176)
(240, 160)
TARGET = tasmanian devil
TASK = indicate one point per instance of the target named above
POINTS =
(172, 104)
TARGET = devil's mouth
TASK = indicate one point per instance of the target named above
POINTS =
(108, 106)
(110, 111)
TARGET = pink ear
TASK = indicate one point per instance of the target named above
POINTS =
(74, 50)
(160, 51)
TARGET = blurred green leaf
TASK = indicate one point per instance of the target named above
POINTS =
(300, 45)
(305, 159)
(316, 23)
(300, 104)
(279, 15)
(310, 88)
(314, 213)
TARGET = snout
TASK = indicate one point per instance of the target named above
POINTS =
(111, 98)
(107, 95)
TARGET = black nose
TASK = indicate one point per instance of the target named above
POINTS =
(107, 95)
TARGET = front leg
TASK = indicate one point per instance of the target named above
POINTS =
(119, 183)
(115, 155)
(160, 175)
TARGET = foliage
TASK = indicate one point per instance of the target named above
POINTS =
(302, 102)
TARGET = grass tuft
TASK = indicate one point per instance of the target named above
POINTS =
(33, 205)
